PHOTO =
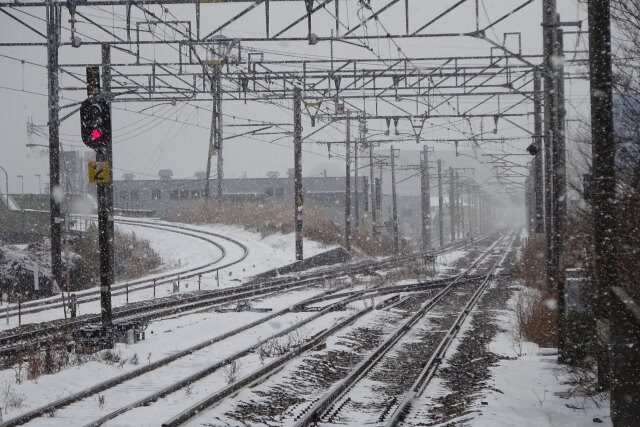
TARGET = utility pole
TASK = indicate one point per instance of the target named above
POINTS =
(555, 161)
(604, 188)
(426, 199)
(469, 211)
(473, 211)
(297, 159)
(220, 165)
(379, 197)
(538, 176)
(105, 206)
(459, 207)
(559, 185)
(355, 172)
(347, 198)
(452, 203)
(53, 43)
(212, 144)
(550, 128)
(374, 204)
(394, 196)
(440, 205)
(215, 137)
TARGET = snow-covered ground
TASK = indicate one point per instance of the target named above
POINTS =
(527, 387)
(164, 337)
(535, 389)
(180, 252)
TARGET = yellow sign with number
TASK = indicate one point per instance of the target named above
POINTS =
(99, 172)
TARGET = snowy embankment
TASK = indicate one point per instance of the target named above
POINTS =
(491, 376)
(180, 253)
(534, 389)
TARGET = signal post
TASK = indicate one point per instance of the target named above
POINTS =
(95, 124)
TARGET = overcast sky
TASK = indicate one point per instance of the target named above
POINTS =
(149, 138)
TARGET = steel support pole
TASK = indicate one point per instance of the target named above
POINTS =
(452, 203)
(476, 216)
(55, 190)
(394, 201)
(550, 132)
(469, 211)
(604, 187)
(425, 194)
(105, 207)
(440, 205)
(355, 173)
(297, 159)
(459, 207)
(347, 194)
(6, 186)
(538, 171)
(559, 186)
(380, 195)
(212, 145)
(220, 164)
(374, 204)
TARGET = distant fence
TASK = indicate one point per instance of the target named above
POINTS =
(624, 359)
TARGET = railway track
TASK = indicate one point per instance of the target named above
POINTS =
(195, 359)
(16, 343)
(390, 294)
(318, 407)
(132, 286)
(372, 393)
(270, 368)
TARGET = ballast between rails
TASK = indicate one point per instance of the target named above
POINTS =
(316, 411)
(269, 368)
(345, 298)
(433, 363)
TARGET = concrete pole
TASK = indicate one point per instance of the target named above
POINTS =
(374, 213)
(105, 207)
(219, 128)
(452, 203)
(347, 198)
(53, 43)
(440, 205)
(425, 199)
(394, 196)
(604, 198)
(538, 171)
(355, 172)
(297, 159)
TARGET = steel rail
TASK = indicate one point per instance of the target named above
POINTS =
(210, 369)
(345, 299)
(60, 403)
(431, 367)
(268, 369)
(235, 294)
(319, 408)
(89, 295)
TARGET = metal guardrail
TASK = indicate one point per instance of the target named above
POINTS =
(624, 359)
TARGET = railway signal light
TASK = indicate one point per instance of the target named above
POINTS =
(95, 122)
